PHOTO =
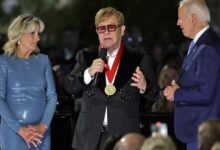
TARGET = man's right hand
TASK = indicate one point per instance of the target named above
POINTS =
(97, 66)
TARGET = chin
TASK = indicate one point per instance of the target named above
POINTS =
(185, 34)
(107, 43)
(107, 46)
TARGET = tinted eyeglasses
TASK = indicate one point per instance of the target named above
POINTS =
(110, 28)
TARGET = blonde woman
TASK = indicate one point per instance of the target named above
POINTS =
(27, 91)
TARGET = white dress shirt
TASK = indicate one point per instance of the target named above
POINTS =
(88, 78)
(200, 33)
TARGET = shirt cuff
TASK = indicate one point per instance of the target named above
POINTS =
(142, 91)
(87, 77)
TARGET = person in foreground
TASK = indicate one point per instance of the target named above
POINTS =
(197, 92)
(27, 91)
(158, 143)
(111, 104)
(130, 141)
(208, 134)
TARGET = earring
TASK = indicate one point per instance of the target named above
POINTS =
(19, 42)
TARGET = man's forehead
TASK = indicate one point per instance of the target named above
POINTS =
(112, 19)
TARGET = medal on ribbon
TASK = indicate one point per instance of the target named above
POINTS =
(110, 90)
(110, 73)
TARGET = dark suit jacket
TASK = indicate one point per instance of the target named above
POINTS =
(199, 94)
(123, 107)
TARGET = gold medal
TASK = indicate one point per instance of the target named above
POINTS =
(110, 90)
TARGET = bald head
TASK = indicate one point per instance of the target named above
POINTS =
(130, 141)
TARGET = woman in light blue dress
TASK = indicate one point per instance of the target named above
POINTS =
(27, 92)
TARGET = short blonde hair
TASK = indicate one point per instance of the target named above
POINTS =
(108, 12)
(22, 24)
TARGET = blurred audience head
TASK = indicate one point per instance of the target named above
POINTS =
(158, 143)
(168, 73)
(158, 50)
(110, 142)
(130, 141)
(133, 38)
(216, 146)
(208, 134)
(70, 37)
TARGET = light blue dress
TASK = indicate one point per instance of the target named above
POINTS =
(27, 97)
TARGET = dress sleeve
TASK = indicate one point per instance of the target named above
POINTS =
(50, 94)
(6, 115)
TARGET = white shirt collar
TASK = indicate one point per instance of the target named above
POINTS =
(114, 53)
(200, 33)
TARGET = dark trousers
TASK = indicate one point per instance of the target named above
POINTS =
(103, 136)
(192, 146)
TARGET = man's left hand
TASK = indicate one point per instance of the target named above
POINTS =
(139, 80)
(170, 90)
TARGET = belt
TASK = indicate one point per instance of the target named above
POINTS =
(104, 128)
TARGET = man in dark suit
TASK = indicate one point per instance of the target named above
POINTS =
(197, 93)
(111, 104)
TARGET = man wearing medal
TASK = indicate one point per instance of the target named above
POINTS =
(110, 106)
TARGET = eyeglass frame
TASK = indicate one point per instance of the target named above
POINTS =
(107, 28)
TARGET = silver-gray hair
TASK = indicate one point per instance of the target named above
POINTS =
(22, 24)
(197, 7)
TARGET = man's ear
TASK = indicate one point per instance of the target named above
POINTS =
(123, 29)
(194, 19)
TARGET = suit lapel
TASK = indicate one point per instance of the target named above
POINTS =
(123, 74)
(189, 57)
(127, 66)
(196, 50)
